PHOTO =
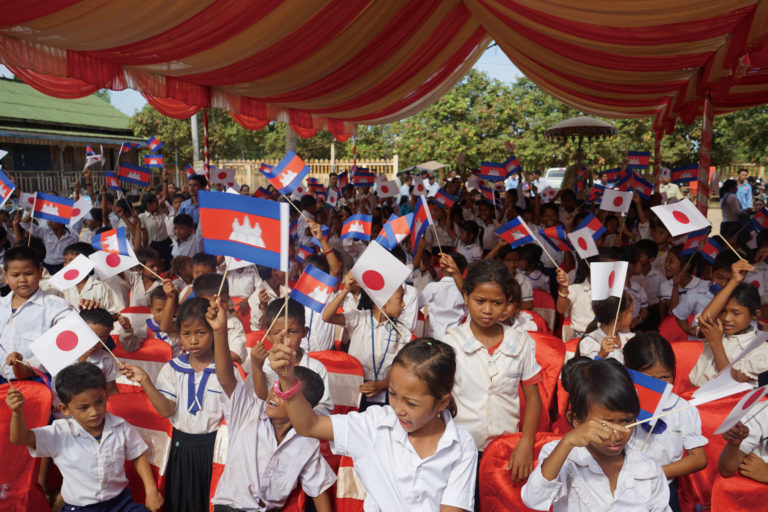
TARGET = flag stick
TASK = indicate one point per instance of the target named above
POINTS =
(394, 325)
(151, 271)
(119, 362)
(273, 323)
(545, 250)
(646, 420)
(650, 431)
(437, 239)
(5, 376)
(224, 277)
(730, 246)
(296, 207)
(31, 220)
(618, 311)
(285, 306)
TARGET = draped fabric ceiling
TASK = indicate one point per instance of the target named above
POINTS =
(333, 64)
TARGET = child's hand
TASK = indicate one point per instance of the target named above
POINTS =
(520, 463)
(736, 434)
(15, 400)
(263, 299)
(755, 468)
(372, 387)
(125, 323)
(259, 354)
(154, 501)
(448, 265)
(677, 279)
(88, 304)
(608, 345)
(739, 270)
(282, 359)
(14, 358)
(594, 431)
(216, 316)
(562, 278)
(349, 281)
(711, 329)
(134, 373)
(316, 229)
(169, 289)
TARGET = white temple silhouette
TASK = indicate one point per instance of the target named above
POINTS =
(247, 234)
(319, 294)
(133, 175)
(3, 190)
(50, 208)
(356, 227)
(110, 244)
(287, 177)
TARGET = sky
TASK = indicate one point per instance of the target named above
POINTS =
(493, 62)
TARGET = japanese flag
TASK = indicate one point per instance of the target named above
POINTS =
(387, 189)
(235, 263)
(607, 279)
(616, 200)
(27, 201)
(69, 276)
(107, 264)
(418, 186)
(547, 194)
(3, 153)
(741, 409)
(681, 217)
(225, 176)
(379, 273)
(584, 243)
(473, 182)
(666, 173)
(333, 197)
(298, 192)
(62, 344)
(80, 209)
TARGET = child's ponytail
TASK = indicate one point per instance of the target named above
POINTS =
(434, 363)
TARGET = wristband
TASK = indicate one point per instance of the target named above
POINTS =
(562, 294)
(285, 395)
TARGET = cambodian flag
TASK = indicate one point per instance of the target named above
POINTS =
(556, 238)
(134, 174)
(245, 227)
(595, 193)
(190, 170)
(624, 179)
(516, 232)
(512, 166)
(288, 173)
(357, 226)
(685, 174)
(343, 180)
(6, 188)
(710, 250)
(293, 230)
(112, 182)
(317, 188)
(581, 180)
(444, 199)
(594, 224)
(153, 143)
(651, 393)
(642, 187)
(114, 241)
(326, 231)
(422, 219)
(265, 167)
(487, 193)
(363, 178)
(611, 175)
(262, 193)
(760, 220)
(491, 171)
(639, 159)
(303, 252)
(313, 288)
(128, 146)
(89, 150)
(53, 208)
(694, 240)
(153, 160)
(395, 230)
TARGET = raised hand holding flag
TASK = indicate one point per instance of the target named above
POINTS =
(62, 344)
(741, 409)
(313, 288)
(607, 279)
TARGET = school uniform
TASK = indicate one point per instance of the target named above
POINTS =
(489, 238)
(325, 405)
(694, 302)
(523, 321)
(410, 312)
(94, 290)
(487, 381)
(260, 473)
(538, 279)
(138, 294)
(105, 362)
(24, 325)
(581, 485)
(650, 283)
(526, 290)
(420, 279)
(446, 240)
(157, 231)
(757, 440)
(190, 246)
(120, 289)
(446, 306)
(753, 364)
(581, 313)
(395, 477)
(666, 287)
(243, 281)
(236, 336)
(471, 252)
(320, 333)
(589, 345)
(302, 227)
(253, 302)
(54, 246)
(131, 341)
(93, 470)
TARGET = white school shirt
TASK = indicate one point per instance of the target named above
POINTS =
(92, 471)
(581, 485)
(639, 298)
(325, 405)
(410, 313)
(486, 388)
(174, 385)
(189, 247)
(243, 281)
(94, 290)
(694, 302)
(471, 252)
(539, 279)
(665, 288)
(133, 340)
(524, 321)
(589, 345)
(580, 299)
(446, 306)
(54, 246)
(394, 476)
(420, 279)
(20, 328)
(302, 225)
(155, 226)
(755, 363)
(386, 343)
(757, 440)
(446, 240)
(526, 290)
(119, 288)
(253, 302)
(683, 432)
(259, 473)
(650, 283)
(138, 295)
(320, 333)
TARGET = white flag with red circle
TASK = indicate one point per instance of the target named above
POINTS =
(27, 200)
(387, 189)
(741, 409)
(80, 209)
(379, 273)
(616, 200)
(62, 344)
(419, 188)
(607, 279)
(583, 242)
(77, 270)
(681, 217)
(547, 194)
(224, 176)
(107, 264)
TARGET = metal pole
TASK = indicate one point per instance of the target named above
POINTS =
(195, 138)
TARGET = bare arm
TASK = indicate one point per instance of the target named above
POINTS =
(329, 312)
(563, 304)
(521, 461)
(154, 501)
(323, 502)
(731, 457)
(694, 460)
(171, 306)
(20, 434)
(162, 405)
(738, 271)
(225, 372)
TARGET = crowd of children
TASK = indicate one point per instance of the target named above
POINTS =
(448, 360)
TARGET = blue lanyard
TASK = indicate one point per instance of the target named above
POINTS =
(309, 333)
(373, 349)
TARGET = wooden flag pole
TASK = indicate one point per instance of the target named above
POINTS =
(273, 323)
(285, 306)
(5, 376)
(437, 239)
(646, 420)
(394, 325)
(545, 250)
(224, 277)
(151, 271)
(119, 362)
(618, 312)
(743, 421)
(650, 431)
(295, 207)
(730, 246)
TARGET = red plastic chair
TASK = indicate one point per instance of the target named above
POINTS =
(350, 492)
(669, 329)
(550, 353)
(19, 472)
(497, 492)
(541, 324)
(544, 305)
(738, 494)
(687, 352)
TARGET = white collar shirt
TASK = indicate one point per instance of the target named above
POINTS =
(410, 312)
(321, 333)
(539, 279)
(650, 282)
(757, 440)
(260, 473)
(486, 388)
(376, 355)
(155, 225)
(526, 290)
(639, 298)
(446, 306)
(394, 476)
(581, 485)
(524, 321)
(243, 281)
(92, 471)
(54, 246)
(192, 245)
(694, 302)
(580, 301)
(253, 302)
(490, 238)
(94, 290)
(753, 364)
(665, 288)
(138, 294)
(590, 344)
(471, 252)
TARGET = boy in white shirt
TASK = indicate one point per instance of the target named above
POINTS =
(144, 279)
(91, 447)
(467, 244)
(443, 298)
(131, 340)
(91, 292)
(188, 242)
(272, 288)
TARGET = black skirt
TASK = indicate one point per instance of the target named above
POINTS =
(188, 475)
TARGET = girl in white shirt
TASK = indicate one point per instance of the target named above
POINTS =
(575, 300)
(676, 442)
(591, 468)
(597, 341)
(409, 455)
(680, 279)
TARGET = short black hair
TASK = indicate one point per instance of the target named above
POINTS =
(184, 219)
(487, 271)
(312, 386)
(147, 253)
(295, 311)
(96, 215)
(646, 350)
(531, 254)
(471, 228)
(97, 316)
(460, 260)
(603, 382)
(200, 179)
(79, 248)
(202, 258)
(265, 273)
(157, 293)
(21, 253)
(208, 284)
(748, 296)
(648, 247)
(77, 378)
(724, 260)
(194, 308)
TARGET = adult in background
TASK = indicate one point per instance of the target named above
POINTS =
(731, 208)
(744, 191)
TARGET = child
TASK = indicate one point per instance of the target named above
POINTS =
(660, 235)
(590, 468)
(56, 237)
(141, 281)
(677, 444)
(271, 288)
(187, 393)
(648, 279)
(492, 360)
(201, 264)
(26, 312)
(91, 292)
(159, 301)
(410, 455)
(101, 323)
(597, 342)
(575, 300)
(373, 339)
(91, 447)
(728, 327)
(511, 259)
(516, 317)
(188, 242)
(261, 373)
(207, 286)
(679, 280)
(486, 220)
(181, 270)
(530, 263)
(467, 244)
(443, 298)
(746, 450)
(638, 260)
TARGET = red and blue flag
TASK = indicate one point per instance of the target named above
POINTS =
(112, 182)
(153, 160)
(128, 146)
(89, 150)
(343, 181)
(516, 232)
(492, 171)
(325, 231)
(313, 288)
(694, 241)
(422, 219)
(555, 236)
(293, 230)
(7, 186)
(395, 230)
(639, 159)
(190, 170)
(624, 179)
(595, 193)
(611, 175)
(444, 199)
(512, 166)
(581, 180)
(53, 208)
(710, 250)
(642, 187)
(134, 174)
(114, 241)
(262, 193)
(594, 224)
(288, 173)
(357, 226)
(651, 392)
(487, 193)
(685, 174)
(153, 143)
(363, 178)
(245, 228)
(266, 167)
(303, 252)
(760, 221)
